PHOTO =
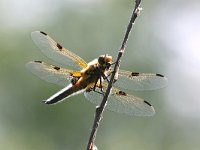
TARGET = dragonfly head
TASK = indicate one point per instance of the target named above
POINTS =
(105, 61)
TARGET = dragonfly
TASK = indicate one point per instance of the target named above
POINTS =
(92, 78)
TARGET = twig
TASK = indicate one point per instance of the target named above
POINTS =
(100, 109)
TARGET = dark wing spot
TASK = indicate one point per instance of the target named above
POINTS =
(147, 103)
(56, 68)
(159, 75)
(38, 61)
(121, 93)
(59, 46)
(135, 73)
(43, 33)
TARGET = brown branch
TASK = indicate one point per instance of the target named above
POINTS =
(100, 109)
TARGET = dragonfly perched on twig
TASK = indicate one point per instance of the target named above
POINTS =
(92, 78)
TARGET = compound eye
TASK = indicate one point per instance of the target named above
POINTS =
(101, 60)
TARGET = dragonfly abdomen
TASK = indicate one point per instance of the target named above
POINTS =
(65, 93)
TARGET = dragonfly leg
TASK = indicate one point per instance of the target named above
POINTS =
(93, 89)
(99, 86)
(105, 77)
(95, 85)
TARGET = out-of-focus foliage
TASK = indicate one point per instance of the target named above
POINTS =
(165, 39)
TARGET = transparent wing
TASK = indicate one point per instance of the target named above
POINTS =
(50, 73)
(140, 81)
(122, 102)
(56, 52)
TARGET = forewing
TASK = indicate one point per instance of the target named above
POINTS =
(50, 73)
(122, 102)
(56, 52)
(140, 81)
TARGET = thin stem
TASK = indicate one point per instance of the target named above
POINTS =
(100, 109)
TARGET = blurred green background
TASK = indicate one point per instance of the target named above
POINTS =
(165, 39)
